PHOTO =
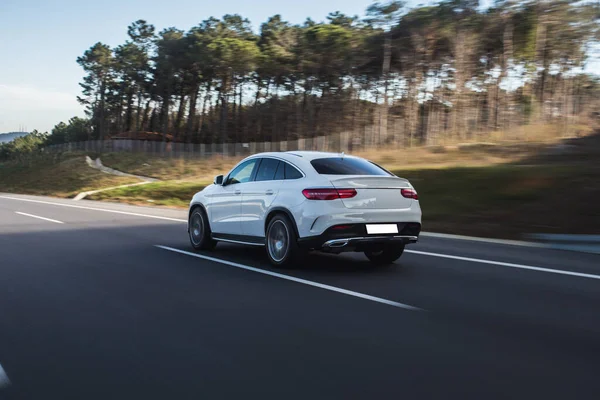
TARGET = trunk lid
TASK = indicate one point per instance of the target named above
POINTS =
(373, 192)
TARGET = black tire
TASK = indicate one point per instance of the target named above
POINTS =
(281, 232)
(199, 231)
(385, 256)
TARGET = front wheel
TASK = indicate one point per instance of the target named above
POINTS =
(199, 230)
(282, 242)
(385, 256)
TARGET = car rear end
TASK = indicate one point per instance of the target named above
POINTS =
(358, 206)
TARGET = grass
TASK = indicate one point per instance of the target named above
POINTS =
(448, 192)
(509, 200)
(167, 168)
(167, 193)
(55, 175)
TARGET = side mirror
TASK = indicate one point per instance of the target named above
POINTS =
(218, 180)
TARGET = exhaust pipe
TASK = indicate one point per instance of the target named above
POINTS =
(336, 244)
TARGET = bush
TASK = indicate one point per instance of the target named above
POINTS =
(24, 146)
(77, 130)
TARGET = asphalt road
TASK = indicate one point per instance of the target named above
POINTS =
(90, 308)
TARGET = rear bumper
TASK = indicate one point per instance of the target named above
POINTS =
(314, 218)
(356, 238)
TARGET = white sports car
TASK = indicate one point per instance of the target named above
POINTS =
(293, 202)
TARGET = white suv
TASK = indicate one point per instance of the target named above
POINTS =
(298, 201)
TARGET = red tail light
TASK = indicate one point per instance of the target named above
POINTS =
(328, 194)
(410, 194)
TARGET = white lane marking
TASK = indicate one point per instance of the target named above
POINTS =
(485, 240)
(294, 279)
(38, 217)
(95, 209)
(4, 381)
(505, 264)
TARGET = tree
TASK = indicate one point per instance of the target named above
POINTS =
(449, 70)
(167, 72)
(98, 63)
(385, 16)
(235, 53)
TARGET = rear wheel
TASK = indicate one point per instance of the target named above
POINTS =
(385, 256)
(199, 231)
(282, 242)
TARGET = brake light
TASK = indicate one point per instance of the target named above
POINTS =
(410, 194)
(328, 194)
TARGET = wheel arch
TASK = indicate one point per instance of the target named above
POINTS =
(191, 210)
(281, 210)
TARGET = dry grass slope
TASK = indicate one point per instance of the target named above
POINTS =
(60, 176)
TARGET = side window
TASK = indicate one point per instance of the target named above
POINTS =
(242, 173)
(266, 170)
(291, 172)
(280, 174)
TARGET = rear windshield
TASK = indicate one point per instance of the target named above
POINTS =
(347, 166)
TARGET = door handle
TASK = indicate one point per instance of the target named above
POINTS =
(269, 192)
(238, 192)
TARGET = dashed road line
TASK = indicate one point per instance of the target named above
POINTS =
(294, 279)
(505, 264)
(94, 209)
(38, 217)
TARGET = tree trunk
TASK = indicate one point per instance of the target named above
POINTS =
(101, 116)
(459, 81)
(507, 59)
(256, 109)
(234, 111)
(165, 113)
(223, 123)
(275, 110)
(540, 53)
(129, 111)
(241, 114)
(189, 129)
(119, 122)
(138, 120)
(387, 59)
(207, 98)
(145, 117)
(179, 117)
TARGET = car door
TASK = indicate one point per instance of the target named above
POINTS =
(258, 195)
(225, 205)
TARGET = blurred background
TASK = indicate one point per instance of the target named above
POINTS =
(490, 110)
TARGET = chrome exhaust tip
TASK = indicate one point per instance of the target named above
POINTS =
(335, 244)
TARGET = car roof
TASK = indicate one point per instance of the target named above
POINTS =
(304, 155)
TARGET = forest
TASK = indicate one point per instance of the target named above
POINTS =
(408, 76)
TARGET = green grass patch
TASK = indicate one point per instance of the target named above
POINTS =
(167, 193)
(445, 194)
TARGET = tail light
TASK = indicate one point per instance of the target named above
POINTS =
(328, 194)
(410, 194)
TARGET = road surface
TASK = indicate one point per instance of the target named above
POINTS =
(91, 308)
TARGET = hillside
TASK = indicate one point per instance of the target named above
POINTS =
(10, 136)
